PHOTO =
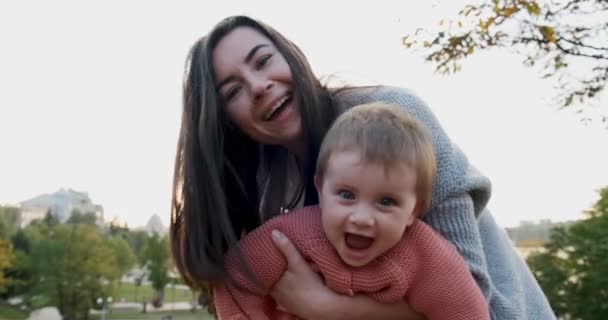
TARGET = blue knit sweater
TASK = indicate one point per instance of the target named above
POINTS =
(458, 211)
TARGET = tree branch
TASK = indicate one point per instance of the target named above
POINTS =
(561, 48)
(578, 43)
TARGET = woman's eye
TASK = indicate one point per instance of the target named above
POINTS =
(387, 202)
(346, 195)
(262, 61)
(232, 93)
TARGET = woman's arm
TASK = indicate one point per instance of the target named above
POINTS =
(301, 291)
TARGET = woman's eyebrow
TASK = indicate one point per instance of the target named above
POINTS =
(253, 51)
(247, 59)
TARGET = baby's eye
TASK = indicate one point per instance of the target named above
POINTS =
(346, 195)
(387, 202)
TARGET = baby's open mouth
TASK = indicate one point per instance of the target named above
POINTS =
(358, 242)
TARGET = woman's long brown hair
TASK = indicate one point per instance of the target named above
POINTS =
(216, 187)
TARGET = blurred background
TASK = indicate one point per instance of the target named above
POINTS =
(90, 107)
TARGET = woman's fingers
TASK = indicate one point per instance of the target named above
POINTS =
(299, 287)
(293, 256)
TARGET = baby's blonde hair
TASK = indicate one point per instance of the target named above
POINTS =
(385, 134)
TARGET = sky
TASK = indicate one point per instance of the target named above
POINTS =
(91, 99)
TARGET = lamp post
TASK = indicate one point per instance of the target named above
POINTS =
(105, 305)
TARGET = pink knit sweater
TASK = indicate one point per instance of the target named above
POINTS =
(423, 268)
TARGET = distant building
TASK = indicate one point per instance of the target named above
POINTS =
(60, 204)
(116, 222)
(530, 237)
(30, 214)
(155, 226)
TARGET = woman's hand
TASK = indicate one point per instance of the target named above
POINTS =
(301, 292)
(299, 286)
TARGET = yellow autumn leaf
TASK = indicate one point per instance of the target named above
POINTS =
(507, 12)
(548, 33)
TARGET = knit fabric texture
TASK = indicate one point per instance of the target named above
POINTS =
(422, 268)
(458, 212)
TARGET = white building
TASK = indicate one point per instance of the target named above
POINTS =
(60, 204)
(155, 226)
(30, 214)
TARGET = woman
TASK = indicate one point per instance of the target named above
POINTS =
(253, 120)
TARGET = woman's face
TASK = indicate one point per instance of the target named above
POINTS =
(255, 86)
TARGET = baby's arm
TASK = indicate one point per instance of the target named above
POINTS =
(254, 267)
(227, 307)
(442, 287)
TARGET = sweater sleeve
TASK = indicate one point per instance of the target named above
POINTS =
(439, 277)
(254, 266)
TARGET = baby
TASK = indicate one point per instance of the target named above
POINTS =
(374, 178)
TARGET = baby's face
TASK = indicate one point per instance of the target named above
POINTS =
(365, 208)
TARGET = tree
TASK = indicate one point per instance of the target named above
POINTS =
(568, 38)
(18, 274)
(137, 241)
(9, 218)
(6, 259)
(124, 257)
(156, 257)
(49, 219)
(572, 268)
(78, 217)
(117, 230)
(71, 265)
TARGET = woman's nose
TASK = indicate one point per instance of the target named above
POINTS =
(260, 86)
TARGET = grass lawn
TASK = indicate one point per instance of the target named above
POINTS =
(8, 313)
(177, 315)
(128, 292)
(132, 293)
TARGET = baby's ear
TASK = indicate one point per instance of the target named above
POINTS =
(415, 213)
(318, 183)
(418, 209)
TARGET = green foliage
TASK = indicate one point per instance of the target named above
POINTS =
(21, 241)
(18, 276)
(78, 217)
(572, 268)
(9, 217)
(567, 37)
(6, 260)
(123, 255)
(133, 292)
(49, 219)
(156, 256)
(9, 313)
(70, 266)
(175, 315)
(137, 242)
